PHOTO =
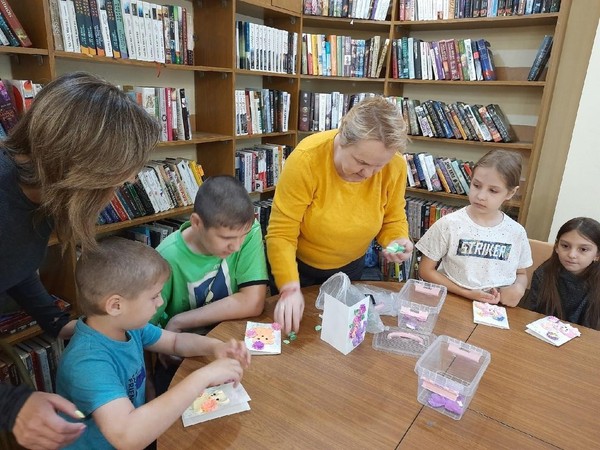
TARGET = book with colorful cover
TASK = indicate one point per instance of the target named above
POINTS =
(550, 329)
(263, 338)
(215, 402)
(491, 315)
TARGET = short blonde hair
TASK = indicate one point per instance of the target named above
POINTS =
(117, 266)
(81, 138)
(377, 119)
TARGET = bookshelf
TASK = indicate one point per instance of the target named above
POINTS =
(212, 81)
(514, 41)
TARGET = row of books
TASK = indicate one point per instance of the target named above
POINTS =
(342, 56)
(450, 175)
(263, 48)
(320, 111)
(40, 356)
(14, 321)
(168, 105)
(16, 97)
(450, 59)
(456, 120)
(259, 167)
(153, 233)
(262, 213)
(125, 29)
(357, 9)
(422, 214)
(411, 10)
(159, 186)
(12, 32)
(259, 111)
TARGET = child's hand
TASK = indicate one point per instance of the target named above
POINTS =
(511, 295)
(224, 370)
(233, 349)
(491, 296)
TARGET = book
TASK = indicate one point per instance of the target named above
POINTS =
(8, 113)
(501, 122)
(215, 402)
(551, 330)
(491, 315)
(14, 24)
(263, 338)
(541, 59)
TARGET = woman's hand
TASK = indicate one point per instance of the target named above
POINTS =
(398, 257)
(290, 307)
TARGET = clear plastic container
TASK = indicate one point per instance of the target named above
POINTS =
(402, 341)
(448, 375)
(419, 305)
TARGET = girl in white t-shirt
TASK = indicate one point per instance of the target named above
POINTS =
(482, 252)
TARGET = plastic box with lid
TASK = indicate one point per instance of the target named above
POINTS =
(448, 375)
(419, 305)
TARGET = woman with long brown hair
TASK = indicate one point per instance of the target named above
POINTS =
(59, 166)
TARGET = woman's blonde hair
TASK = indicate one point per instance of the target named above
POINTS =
(81, 138)
(374, 119)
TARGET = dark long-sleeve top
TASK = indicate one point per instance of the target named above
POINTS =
(24, 235)
(571, 290)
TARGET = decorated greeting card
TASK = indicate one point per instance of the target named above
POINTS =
(492, 315)
(550, 329)
(215, 402)
(263, 338)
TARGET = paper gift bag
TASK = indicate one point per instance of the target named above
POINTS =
(344, 326)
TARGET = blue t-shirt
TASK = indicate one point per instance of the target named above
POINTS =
(95, 370)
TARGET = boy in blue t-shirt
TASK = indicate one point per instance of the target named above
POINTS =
(102, 370)
(218, 266)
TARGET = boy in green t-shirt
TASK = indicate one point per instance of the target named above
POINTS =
(218, 266)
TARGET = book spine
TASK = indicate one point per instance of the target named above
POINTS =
(98, 39)
(113, 34)
(541, 59)
(82, 21)
(121, 34)
(453, 176)
(55, 25)
(8, 113)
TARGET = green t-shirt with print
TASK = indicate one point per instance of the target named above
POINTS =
(197, 280)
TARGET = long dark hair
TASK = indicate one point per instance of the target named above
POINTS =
(589, 229)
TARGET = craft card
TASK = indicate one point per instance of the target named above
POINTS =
(215, 402)
(263, 338)
(344, 326)
(552, 330)
(492, 315)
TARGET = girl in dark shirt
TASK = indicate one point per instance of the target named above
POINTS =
(567, 285)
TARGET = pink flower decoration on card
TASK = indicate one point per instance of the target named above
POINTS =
(251, 333)
(210, 405)
(276, 326)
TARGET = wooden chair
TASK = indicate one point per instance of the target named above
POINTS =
(540, 252)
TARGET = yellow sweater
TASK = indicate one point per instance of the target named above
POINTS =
(325, 221)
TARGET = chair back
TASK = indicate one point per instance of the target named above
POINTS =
(540, 252)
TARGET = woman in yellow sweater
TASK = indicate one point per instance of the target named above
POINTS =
(339, 189)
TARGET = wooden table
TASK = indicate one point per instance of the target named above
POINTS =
(532, 395)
